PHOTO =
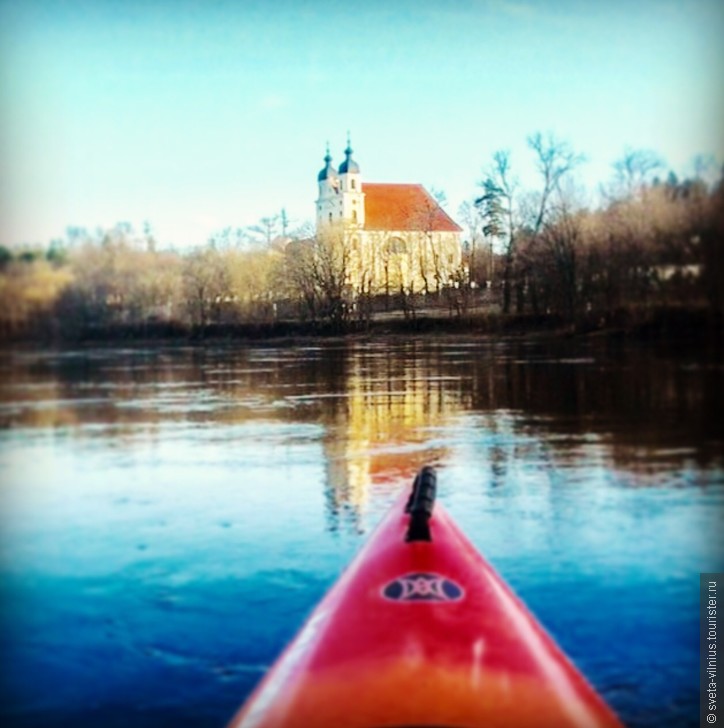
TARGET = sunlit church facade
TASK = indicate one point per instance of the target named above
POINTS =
(396, 236)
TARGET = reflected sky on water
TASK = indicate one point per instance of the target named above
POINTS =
(170, 516)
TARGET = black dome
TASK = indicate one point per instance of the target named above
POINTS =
(328, 171)
(349, 165)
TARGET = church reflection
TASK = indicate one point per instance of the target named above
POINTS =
(381, 434)
(386, 408)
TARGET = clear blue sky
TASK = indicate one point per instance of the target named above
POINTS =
(198, 115)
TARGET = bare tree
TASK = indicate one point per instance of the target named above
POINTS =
(206, 285)
(554, 160)
(318, 272)
(266, 230)
(712, 249)
(252, 282)
(429, 250)
(30, 287)
(561, 240)
(478, 259)
(296, 277)
(331, 271)
(634, 169)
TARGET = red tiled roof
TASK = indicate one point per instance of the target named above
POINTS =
(404, 207)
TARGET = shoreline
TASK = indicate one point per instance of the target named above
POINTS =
(695, 325)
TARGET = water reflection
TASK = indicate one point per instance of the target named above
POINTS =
(152, 498)
(382, 405)
(378, 429)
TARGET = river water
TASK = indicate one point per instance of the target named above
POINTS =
(171, 515)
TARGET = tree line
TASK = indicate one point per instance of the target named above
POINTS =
(650, 240)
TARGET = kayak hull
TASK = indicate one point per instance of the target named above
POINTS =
(422, 633)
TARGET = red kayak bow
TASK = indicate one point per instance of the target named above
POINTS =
(421, 631)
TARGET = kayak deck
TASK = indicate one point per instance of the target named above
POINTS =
(422, 633)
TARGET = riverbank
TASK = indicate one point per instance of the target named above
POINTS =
(693, 324)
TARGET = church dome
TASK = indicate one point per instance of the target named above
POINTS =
(329, 171)
(349, 165)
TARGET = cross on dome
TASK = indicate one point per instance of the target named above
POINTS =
(328, 172)
(349, 165)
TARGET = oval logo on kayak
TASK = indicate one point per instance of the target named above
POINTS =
(422, 587)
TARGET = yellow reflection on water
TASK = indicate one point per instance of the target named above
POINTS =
(382, 435)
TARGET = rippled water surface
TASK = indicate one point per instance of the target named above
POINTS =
(170, 516)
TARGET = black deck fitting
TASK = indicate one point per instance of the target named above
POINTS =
(420, 505)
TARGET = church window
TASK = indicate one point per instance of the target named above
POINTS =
(330, 217)
(397, 246)
(352, 182)
(354, 215)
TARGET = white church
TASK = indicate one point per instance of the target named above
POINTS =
(397, 236)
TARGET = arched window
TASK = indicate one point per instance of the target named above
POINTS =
(352, 183)
(397, 246)
(354, 215)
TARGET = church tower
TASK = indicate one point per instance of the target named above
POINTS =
(353, 205)
(329, 202)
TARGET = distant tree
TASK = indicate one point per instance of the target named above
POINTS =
(206, 285)
(28, 256)
(296, 278)
(711, 241)
(559, 262)
(554, 159)
(497, 206)
(253, 282)
(77, 235)
(57, 252)
(425, 255)
(149, 236)
(29, 290)
(634, 169)
(284, 222)
(265, 230)
(6, 257)
(479, 261)
(155, 291)
(331, 268)
(117, 280)
(302, 231)
(317, 272)
(439, 196)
